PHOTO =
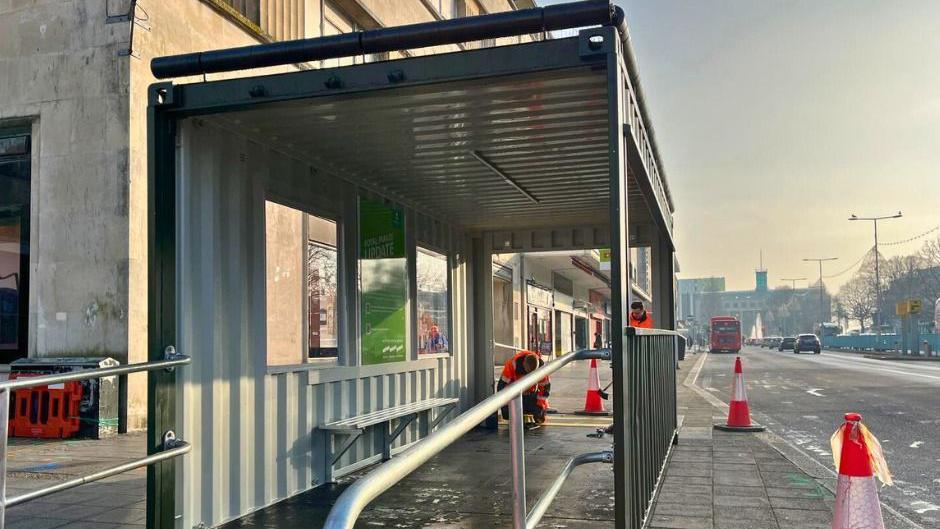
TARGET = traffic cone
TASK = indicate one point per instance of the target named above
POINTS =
(593, 404)
(859, 458)
(739, 414)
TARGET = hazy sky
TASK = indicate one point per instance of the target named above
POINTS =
(777, 120)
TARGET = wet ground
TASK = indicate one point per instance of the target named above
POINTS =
(469, 485)
(803, 397)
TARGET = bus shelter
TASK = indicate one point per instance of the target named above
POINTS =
(383, 171)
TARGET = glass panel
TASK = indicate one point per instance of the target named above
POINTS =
(14, 246)
(10, 281)
(322, 288)
(433, 303)
(284, 264)
(383, 283)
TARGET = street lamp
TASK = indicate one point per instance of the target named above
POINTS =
(877, 272)
(793, 280)
(820, 261)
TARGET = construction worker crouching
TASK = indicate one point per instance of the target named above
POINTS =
(639, 317)
(535, 399)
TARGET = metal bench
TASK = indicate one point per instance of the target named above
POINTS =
(353, 427)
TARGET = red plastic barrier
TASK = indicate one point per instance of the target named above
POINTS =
(44, 412)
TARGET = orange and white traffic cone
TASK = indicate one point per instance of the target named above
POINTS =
(859, 458)
(593, 404)
(739, 414)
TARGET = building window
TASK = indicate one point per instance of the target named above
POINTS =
(250, 9)
(433, 296)
(14, 245)
(302, 279)
(335, 22)
(322, 288)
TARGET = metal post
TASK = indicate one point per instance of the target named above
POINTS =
(4, 418)
(820, 298)
(517, 453)
(877, 290)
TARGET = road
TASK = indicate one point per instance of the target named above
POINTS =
(802, 398)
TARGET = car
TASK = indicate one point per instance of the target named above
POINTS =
(786, 343)
(807, 342)
(774, 342)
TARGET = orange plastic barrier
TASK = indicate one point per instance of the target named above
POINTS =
(44, 412)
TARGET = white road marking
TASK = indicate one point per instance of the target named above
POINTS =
(920, 507)
(860, 364)
(916, 444)
(811, 417)
(815, 392)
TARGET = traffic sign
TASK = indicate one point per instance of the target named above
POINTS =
(903, 308)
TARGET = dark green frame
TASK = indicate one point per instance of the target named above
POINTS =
(169, 103)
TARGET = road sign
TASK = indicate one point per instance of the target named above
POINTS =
(909, 306)
(605, 259)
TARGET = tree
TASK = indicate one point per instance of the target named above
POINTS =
(858, 299)
(841, 314)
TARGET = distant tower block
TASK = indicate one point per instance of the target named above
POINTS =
(761, 275)
(761, 280)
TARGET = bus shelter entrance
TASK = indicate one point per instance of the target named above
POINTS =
(321, 246)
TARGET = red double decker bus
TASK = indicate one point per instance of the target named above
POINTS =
(725, 334)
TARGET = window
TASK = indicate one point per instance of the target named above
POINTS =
(335, 22)
(433, 297)
(250, 9)
(322, 288)
(302, 278)
(14, 245)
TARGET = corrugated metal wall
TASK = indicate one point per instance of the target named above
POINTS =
(253, 428)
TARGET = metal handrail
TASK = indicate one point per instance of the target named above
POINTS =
(97, 372)
(172, 447)
(541, 506)
(179, 448)
(354, 499)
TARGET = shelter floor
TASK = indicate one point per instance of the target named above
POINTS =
(470, 485)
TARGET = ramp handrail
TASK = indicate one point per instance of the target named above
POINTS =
(172, 447)
(354, 499)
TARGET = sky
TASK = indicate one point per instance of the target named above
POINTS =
(777, 120)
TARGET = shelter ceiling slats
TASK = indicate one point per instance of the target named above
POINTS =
(547, 131)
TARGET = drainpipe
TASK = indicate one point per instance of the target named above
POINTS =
(452, 31)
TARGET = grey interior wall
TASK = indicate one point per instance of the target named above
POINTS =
(253, 428)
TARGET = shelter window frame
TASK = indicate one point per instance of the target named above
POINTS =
(306, 243)
(435, 252)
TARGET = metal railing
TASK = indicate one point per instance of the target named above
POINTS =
(651, 386)
(351, 503)
(172, 447)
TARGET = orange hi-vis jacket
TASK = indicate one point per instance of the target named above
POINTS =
(645, 323)
(510, 375)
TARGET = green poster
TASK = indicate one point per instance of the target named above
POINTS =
(383, 282)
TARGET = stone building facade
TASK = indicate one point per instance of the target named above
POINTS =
(73, 143)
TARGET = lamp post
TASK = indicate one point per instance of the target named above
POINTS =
(820, 261)
(877, 271)
(793, 280)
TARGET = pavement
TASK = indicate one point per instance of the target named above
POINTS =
(803, 398)
(118, 502)
(724, 480)
(713, 480)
